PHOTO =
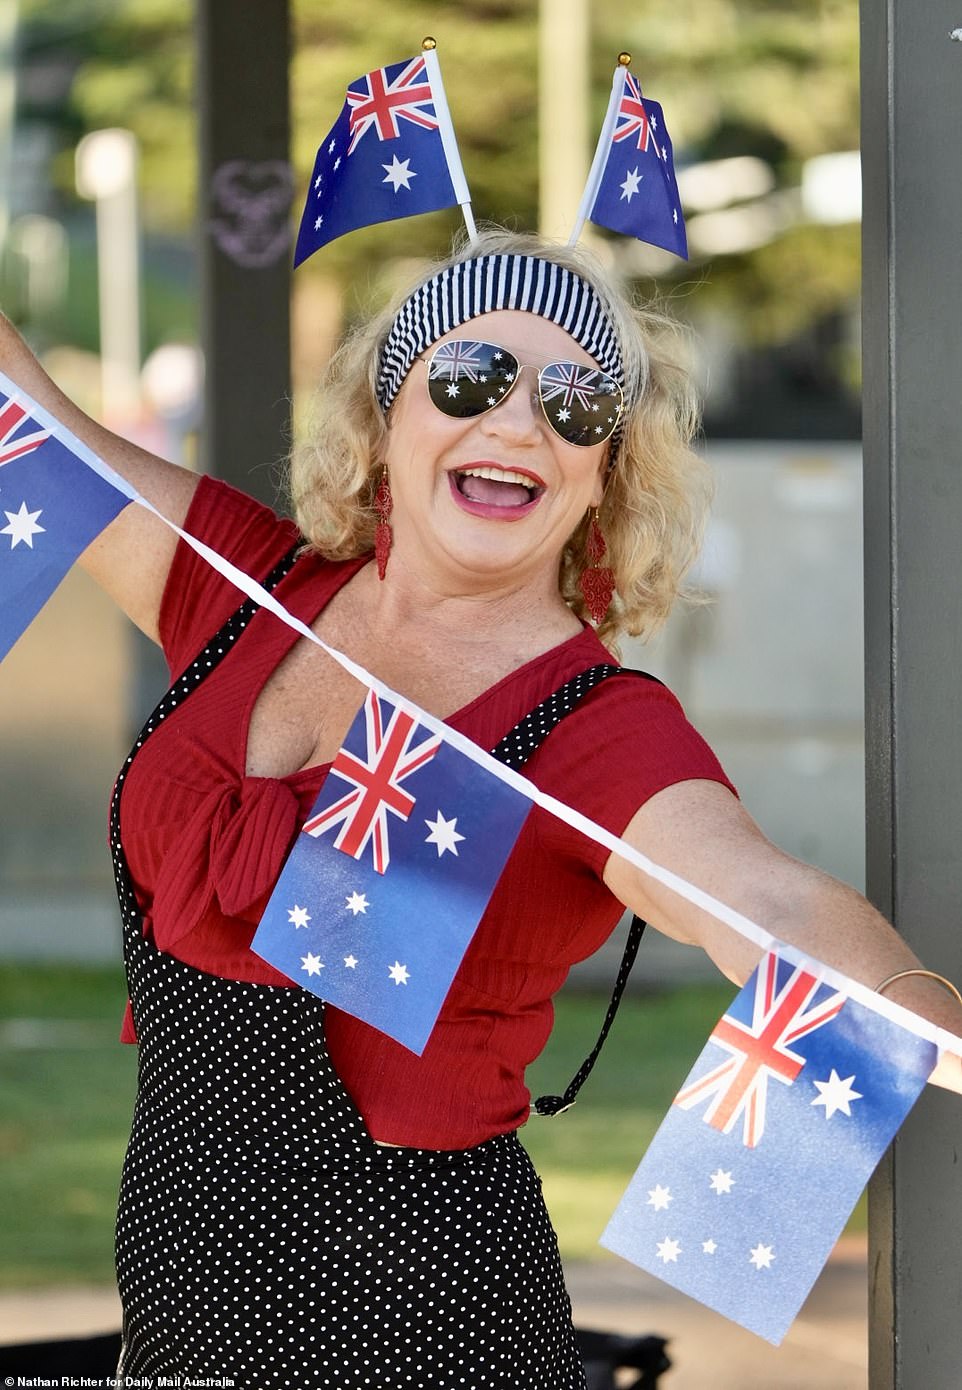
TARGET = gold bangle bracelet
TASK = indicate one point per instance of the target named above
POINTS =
(929, 974)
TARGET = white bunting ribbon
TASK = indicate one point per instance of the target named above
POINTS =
(739, 923)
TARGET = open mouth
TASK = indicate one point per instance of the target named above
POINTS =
(490, 486)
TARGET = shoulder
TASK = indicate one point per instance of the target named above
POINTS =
(624, 741)
(197, 599)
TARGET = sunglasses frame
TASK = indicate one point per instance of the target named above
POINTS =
(618, 401)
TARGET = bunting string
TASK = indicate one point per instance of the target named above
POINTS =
(737, 921)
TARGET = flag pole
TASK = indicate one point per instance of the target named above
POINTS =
(448, 139)
(601, 149)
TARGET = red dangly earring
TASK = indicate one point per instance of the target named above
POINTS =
(597, 582)
(383, 503)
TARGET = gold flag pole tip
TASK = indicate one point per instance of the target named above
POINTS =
(427, 43)
(624, 60)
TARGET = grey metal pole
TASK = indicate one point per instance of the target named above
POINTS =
(912, 326)
(244, 208)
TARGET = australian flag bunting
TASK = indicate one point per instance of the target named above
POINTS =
(391, 874)
(53, 502)
(752, 1175)
(632, 187)
(391, 153)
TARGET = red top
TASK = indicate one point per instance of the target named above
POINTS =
(205, 843)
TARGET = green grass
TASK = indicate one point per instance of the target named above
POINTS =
(65, 1112)
(587, 1155)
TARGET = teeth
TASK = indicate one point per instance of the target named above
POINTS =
(501, 475)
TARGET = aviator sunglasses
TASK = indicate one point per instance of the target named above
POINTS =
(467, 378)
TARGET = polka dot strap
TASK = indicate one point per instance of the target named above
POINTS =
(515, 749)
(213, 654)
(520, 742)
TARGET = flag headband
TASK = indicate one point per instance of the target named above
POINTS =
(393, 153)
(483, 285)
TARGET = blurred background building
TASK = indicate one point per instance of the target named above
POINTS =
(763, 106)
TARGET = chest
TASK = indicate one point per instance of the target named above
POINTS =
(303, 710)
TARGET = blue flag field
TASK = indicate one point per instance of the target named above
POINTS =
(383, 158)
(52, 505)
(754, 1172)
(391, 874)
(637, 193)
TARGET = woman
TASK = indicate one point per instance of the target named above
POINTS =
(305, 1203)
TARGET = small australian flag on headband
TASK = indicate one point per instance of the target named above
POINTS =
(383, 158)
(391, 874)
(52, 504)
(637, 193)
(752, 1175)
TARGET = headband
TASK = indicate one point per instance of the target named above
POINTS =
(484, 284)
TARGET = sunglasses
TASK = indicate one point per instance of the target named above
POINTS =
(467, 378)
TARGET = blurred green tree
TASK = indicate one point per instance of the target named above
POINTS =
(773, 78)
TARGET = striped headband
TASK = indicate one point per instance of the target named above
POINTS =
(483, 284)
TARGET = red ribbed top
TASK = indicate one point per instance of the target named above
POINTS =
(205, 844)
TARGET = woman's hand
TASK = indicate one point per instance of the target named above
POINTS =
(701, 832)
(131, 557)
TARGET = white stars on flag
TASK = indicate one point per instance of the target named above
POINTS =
(351, 962)
(668, 1251)
(399, 173)
(298, 916)
(444, 834)
(356, 903)
(631, 185)
(399, 973)
(318, 223)
(836, 1094)
(312, 964)
(22, 526)
(659, 1197)
(761, 1256)
(721, 1182)
(708, 1246)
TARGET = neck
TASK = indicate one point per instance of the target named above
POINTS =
(530, 617)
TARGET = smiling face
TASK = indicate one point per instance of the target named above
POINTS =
(492, 498)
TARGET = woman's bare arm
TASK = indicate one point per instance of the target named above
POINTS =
(701, 832)
(131, 557)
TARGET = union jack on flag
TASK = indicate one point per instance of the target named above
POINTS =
(745, 1222)
(54, 500)
(375, 778)
(391, 153)
(381, 935)
(632, 116)
(378, 102)
(760, 1051)
(17, 433)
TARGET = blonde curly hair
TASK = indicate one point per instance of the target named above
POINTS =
(658, 490)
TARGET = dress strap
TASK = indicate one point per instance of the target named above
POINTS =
(205, 662)
(514, 750)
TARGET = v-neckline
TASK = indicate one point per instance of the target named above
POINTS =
(314, 772)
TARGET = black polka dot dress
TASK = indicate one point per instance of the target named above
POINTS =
(264, 1238)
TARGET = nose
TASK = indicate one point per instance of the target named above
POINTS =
(519, 414)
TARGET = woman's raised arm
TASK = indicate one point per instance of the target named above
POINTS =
(131, 557)
(701, 832)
